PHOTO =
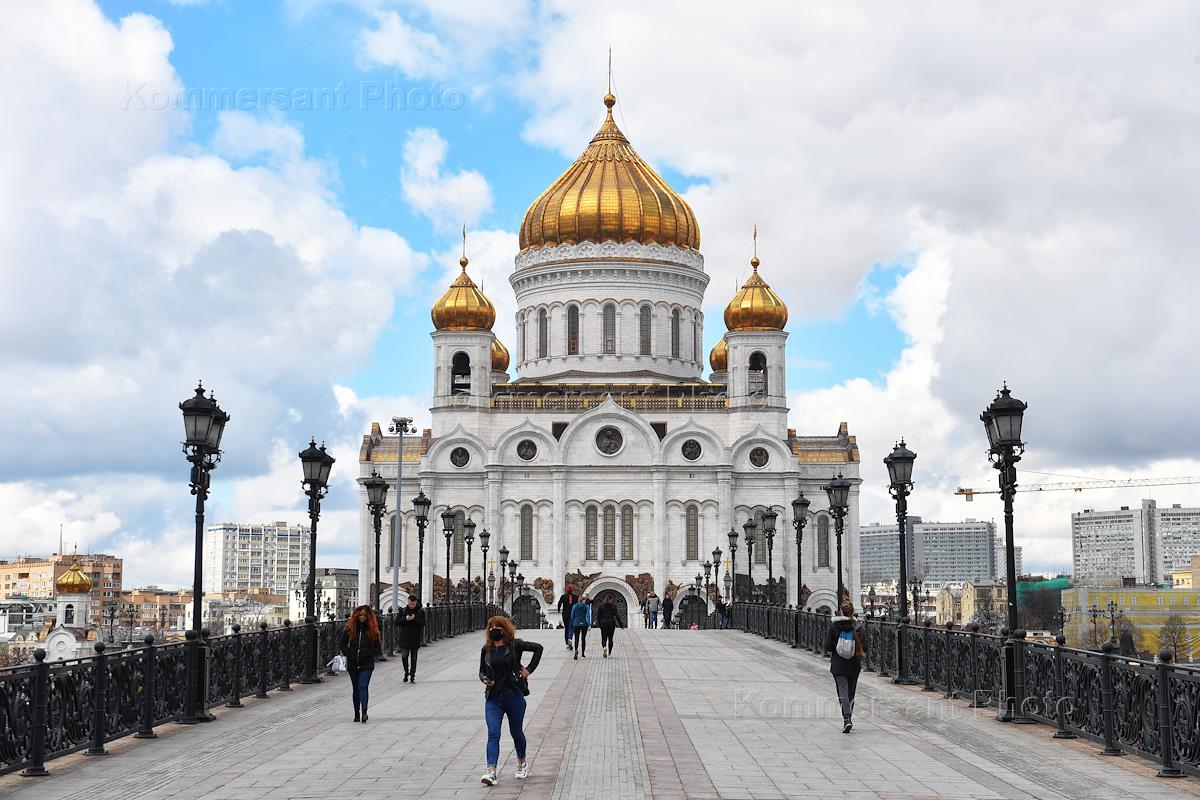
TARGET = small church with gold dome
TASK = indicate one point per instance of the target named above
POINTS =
(72, 635)
(594, 448)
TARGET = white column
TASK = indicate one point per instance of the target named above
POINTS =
(660, 531)
(558, 560)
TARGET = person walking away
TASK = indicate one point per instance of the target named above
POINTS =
(361, 644)
(607, 618)
(668, 608)
(652, 610)
(581, 620)
(506, 682)
(722, 612)
(845, 643)
(565, 601)
(412, 624)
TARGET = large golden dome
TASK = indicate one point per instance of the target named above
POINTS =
(463, 307)
(609, 194)
(73, 581)
(718, 357)
(499, 356)
(756, 307)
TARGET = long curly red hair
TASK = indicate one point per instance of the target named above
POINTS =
(372, 624)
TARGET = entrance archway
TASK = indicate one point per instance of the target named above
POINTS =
(692, 609)
(526, 613)
(618, 600)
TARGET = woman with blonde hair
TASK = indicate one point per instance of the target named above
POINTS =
(361, 644)
(507, 683)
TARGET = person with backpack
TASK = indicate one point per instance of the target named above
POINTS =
(361, 644)
(846, 644)
(581, 620)
(506, 682)
(607, 618)
(412, 623)
(565, 601)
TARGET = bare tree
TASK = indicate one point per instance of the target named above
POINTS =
(1173, 635)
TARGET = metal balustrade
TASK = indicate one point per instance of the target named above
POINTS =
(1124, 704)
(51, 709)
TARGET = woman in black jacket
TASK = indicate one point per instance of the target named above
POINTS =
(607, 618)
(845, 669)
(506, 679)
(412, 624)
(361, 645)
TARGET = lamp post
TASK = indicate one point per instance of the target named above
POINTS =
(728, 584)
(503, 563)
(1113, 614)
(768, 520)
(1002, 421)
(733, 540)
(421, 505)
(871, 600)
(469, 541)
(749, 527)
(400, 426)
(448, 532)
(716, 561)
(317, 465)
(491, 581)
(838, 491)
(899, 465)
(377, 489)
(799, 520)
(1061, 616)
(707, 574)
(484, 538)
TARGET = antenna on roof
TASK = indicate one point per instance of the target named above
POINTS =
(610, 70)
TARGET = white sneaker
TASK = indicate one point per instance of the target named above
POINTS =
(523, 770)
(489, 778)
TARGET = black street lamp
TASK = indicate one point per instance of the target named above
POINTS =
(707, 574)
(491, 581)
(469, 541)
(400, 426)
(317, 465)
(1095, 613)
(838, 491)
(716, 562)
(749, 527)
(728, 584)
(377, 489)
(799, 520)
(871, 600)
(1062, 616)
(1113, 615)
(448, 532)
(503, 563)
(768, 520)
(421, 505)
(512, 579)
(733, 545)
(899, 465)
(484, 538)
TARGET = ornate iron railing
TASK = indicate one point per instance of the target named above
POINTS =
(1122, 703)
(50, 709)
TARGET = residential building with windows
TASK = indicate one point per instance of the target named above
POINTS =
(33, 578)
(957, 551)
(243, 556)
(879, 550)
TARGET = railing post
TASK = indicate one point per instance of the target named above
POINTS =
(949, 660)
(263, 661)
(928, 687)
(41, 701)
(205, 654)
(236, 700)
(193, 667)
(99, 701)
(880, 661)
(901, 667)
(149, 676)
(1166, 725)
(1018, 700)
(1106, 701)
(287, 656)
(1060, 691)
(310, 651)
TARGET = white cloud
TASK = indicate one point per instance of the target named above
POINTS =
(447, 199)
(242, 136)
(394, 43)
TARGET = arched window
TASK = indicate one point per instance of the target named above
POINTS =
(458, 550)
(758, 374)
(543, 334)
(822, 541)
(610, 328)
(610, 534)
(69, 614)
(627, 533)
(589, 534)
(460, 374)
(691, 534)
(572, 330)
(676, 322)
(644, 330)
(760, 539)
(526, 533)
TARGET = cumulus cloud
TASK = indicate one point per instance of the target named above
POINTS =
(447, 199)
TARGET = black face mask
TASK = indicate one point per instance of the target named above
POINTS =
(496, 633)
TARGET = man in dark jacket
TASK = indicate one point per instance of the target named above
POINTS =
(565, 601)
(845, 669)
(411, 627)
(668, 608)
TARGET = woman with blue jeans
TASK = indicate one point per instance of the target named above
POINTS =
(361, 644)
(506, 682)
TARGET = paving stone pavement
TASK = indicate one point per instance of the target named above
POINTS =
(674, 714)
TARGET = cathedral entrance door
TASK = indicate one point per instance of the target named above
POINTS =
(526, 613)
(692, 609)
(618, 601)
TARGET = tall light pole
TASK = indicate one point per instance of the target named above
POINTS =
(899, 465)
(707, 574)
(401, 426)
(838, 491)
(421, 505)
(749, 527)
(317, 465)
(716, 562)
(733, 545)
(469, 541)
(768, 520)
(799, 520)
(484, 538)
(448, 532)
(503, 563)
(377, 489)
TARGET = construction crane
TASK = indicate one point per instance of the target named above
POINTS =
(1079, 486)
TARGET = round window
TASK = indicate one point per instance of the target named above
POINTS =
(526, 450)
(609, 440)
(759, 456)
(459, 456)
(691, 449)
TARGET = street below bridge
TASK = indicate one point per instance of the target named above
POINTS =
(674, 714)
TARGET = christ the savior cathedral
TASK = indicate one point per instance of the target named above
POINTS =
(608, 460)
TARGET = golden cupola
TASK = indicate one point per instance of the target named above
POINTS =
(756, 307)
(463, 307)
(73, 581)
(499, 356)
(609, 194)
(718, 357)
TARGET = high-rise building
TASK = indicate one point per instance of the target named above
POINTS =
(1116, 544)
(879, 551)
(1177, 530)
(270, 556)
(957, 551)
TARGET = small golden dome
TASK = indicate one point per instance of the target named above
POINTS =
(463, 307)
(499, 356)
(73, 581)
(609, 194)
(756, 307)
(718, 358)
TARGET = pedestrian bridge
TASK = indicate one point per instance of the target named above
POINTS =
(674, 714)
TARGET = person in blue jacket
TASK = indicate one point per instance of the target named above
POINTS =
(581, 620)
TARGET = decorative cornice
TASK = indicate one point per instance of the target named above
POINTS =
(627, 251)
